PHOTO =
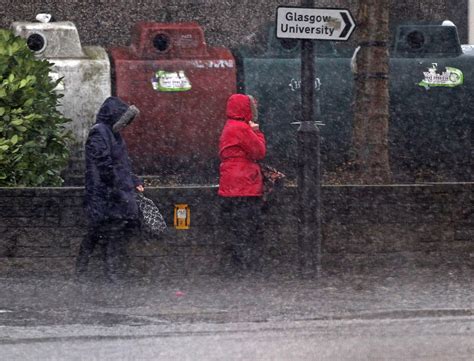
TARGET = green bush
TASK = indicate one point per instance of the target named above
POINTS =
(33, 140)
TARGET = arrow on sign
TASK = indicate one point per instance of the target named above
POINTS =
(314, 23)
(348, 26)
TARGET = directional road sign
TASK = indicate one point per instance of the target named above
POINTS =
(314, 23)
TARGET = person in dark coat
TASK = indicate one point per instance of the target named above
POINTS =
(110, 188)
(241, 145)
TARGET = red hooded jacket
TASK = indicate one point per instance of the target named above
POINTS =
(240, 147)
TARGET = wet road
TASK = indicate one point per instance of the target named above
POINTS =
(445, 338)
(389, 315)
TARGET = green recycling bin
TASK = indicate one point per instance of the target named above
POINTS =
(273, 76)
(431, 78)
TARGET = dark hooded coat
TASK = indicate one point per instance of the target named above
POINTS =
(110, 183)
(240, 147)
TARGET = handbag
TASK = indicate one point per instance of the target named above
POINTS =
(272, 178)
(151, 219)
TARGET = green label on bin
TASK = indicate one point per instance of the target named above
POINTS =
(164, 81)
(450, 78)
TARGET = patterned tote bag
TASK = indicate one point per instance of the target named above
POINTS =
(152, 221)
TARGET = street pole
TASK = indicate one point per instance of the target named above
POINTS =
(309, 161)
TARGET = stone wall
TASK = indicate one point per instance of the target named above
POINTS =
(363, 226)
(229, 23)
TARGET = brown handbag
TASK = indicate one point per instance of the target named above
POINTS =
(272, 179)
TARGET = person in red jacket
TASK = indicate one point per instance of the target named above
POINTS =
(241, 146)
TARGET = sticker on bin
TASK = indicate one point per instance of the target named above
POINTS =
(164, 81)
(450, 78)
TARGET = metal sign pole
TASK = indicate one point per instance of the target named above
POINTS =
(308, 23)
(309, 174)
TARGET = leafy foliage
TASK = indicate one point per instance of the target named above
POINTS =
(33, 140)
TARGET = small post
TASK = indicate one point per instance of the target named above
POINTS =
(309, 161)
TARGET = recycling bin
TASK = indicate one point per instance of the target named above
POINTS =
(431, 113)
(85, 72)
(181, 87)
(430, 79)
(273, 75)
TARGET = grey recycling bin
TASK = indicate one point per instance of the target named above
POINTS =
(85, 71)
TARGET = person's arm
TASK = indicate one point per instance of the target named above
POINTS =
(253, 142)
(98, 149)
(138, 183)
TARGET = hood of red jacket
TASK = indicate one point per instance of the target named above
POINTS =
(239, 108)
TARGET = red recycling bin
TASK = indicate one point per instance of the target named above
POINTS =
(181, 86)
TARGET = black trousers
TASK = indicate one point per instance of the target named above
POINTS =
(113, 236)
(242, 221)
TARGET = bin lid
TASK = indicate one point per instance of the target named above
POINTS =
(168, 40)
(50, 40)
(426, 40)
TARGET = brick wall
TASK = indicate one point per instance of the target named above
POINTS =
(363, 226)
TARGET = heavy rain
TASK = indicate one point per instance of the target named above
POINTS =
(236, 180)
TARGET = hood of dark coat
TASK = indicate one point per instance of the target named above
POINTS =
(239, 107)
(111, 111)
